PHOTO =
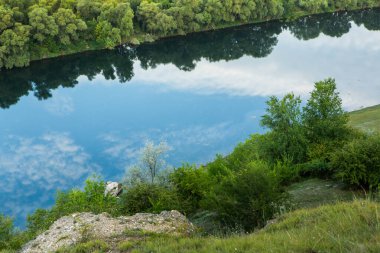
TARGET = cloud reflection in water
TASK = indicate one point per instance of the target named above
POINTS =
(32, 169)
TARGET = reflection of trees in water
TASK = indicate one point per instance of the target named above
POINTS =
(333, 24)
(44, 76)
(310, 27)
(369, 18)
(184, 52)
(230, 44)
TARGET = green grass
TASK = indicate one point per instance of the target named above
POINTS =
(126, 246)
(315, 192)
(343, 227)
(94, 246)
(367, 119)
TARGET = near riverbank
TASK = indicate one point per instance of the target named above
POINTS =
(261, 182)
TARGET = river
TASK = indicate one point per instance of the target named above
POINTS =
(64, 119)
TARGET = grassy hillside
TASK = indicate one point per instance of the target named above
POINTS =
(325, 224)
(343, 227)
(316, 192)
(367, 119)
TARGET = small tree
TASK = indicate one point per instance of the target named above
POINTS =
(134, 176)
(324, 119)
(286, 139)
(152, 158)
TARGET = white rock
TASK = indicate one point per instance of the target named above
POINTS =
(113, 189)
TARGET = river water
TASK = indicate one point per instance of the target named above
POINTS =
(64, 119)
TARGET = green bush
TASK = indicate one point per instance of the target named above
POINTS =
(11, 239)
(285, 172)
(245, 152)
(148, 198)
(246, 199)
(191, 184)
(92, 199)
(358, 162)
(6, 232)
(316, 168)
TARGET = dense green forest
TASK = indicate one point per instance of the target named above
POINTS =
(36, 29)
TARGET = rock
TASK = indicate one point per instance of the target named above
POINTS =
(70, 230)
(113, 189)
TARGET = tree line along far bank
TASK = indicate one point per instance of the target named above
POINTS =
(36, 29)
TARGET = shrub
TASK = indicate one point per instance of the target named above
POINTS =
(6, 232)
(10, 238)
(285, 172)
(92, 199)
(190, 184)
(358, 162)
(316, 168)
(246, 199)
(245, 152)
(148, 198)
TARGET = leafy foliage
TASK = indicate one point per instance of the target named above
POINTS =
(191, 185)
(148, 198)
(52, 26)
(11, 238)
(152, 165)
(92, 199)
(248, 198)
(286, 138)
(107, 35)
(14, 46)
(324, 119)
(6, 231)
(43, 25)
(358, 162)
(69, 25)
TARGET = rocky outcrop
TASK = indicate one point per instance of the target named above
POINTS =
(70, 230)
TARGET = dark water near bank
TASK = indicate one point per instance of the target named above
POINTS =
(64, 119)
